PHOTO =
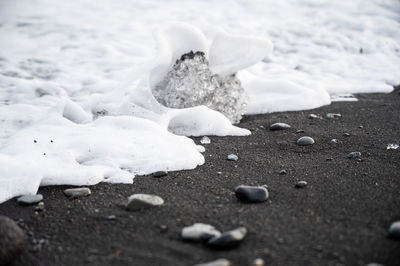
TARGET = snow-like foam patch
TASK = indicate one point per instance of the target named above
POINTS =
(75, 86)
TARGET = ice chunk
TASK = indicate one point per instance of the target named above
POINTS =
(205, 140)
(191, 83)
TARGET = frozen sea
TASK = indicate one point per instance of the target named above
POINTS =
(75, 77)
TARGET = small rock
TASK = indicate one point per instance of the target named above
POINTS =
(251, 194)
(301, 184)
(77, 192)
(305, 141)
(334, 140)
(392, 146)
(314, 116)
(219, 262)
(394, 230)
(354, 154)
(163, 228)
(283, 172)
(279, 126)
(333, 115)
(329, 159)
(346, 134)
(111, 217)
(258, 262)
(199, 231)
(205, 140)
(143, 201)
(12, 240)
(228, 239)
(300, 131)
(232, 157)
(373, 264)
(160, 174)
(30, 199)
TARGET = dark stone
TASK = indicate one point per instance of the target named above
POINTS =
(251, 194)
(160, 174)
(394, 230)
(301, 184)
(12, 240)
(279, 126)
(228, 240)
(305, 141)
(354, 154)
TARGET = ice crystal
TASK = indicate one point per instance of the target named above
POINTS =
(190, 83)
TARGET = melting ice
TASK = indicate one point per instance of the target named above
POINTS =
(76, 87)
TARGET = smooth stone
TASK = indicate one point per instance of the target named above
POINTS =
(334, 140)
(160, 174)
(205, 140)
(373, 264)
(394, 230)
(30, 199)
(228, 239)
(346, 134)
(279, 126)
(143, 201)
(199, 231)
(251, 194)
(258, 262)
(219, 262)
(12, 240)
(301, 184)
(232, 157)
(314, 116)
(283, 172)
(354, 154)
(333, 115)
(77, 192)
(305, 141)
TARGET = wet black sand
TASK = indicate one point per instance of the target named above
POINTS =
(340, 218)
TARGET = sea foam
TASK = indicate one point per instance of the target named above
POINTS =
(76, 105)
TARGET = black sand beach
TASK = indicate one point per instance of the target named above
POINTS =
(341, 218)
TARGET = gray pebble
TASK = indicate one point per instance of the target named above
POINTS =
(346, 134)
(334, 140)
(314, 116)
(77, 192)
(228, 239)
(279, 126)
(373, 264)
(219, 262)
(333, 115)
(12, 240)
(111, 217)
(143, 201)
(394, 230)
(251, 194)
(232, 157)
(160, 174)
(30, 199)
(305, 141)
(283, 172)
(199, 231)
(301, 184)
(354, 154)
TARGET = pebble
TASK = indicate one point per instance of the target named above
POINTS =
(160, 174)
(251, 194)
(30, 199)
(334, 140)
(205, 140)
(12, 240)
(199, 231)
(354, 154)
(392, 146)
(228, 239)
(394, 230)
(258, 262)
(314, 116)
(279, 126)
(143, 201)
(373, 264)
(305, 141)
(219, 262)
(346, 134)
(300, 131)
(283, 172)
(77, 192)
(333, 115)
(111, 217)
(232, 157)
(301, 184)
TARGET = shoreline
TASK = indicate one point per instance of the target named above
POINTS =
(340, 218)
